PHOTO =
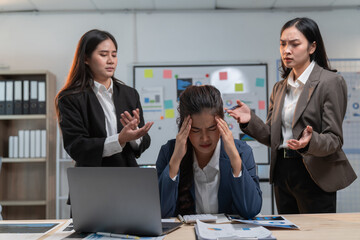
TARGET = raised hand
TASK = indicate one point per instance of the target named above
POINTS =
(130, 131)
(229, 145)
(180, 147)
(303, 141)
(242, 114)
(126, 118)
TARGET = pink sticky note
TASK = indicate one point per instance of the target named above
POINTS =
(261, 105)
(167, 73)
(223, 75)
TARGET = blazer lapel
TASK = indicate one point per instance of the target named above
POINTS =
(277, 113)
(117, 103)
(305, 96)
(99, 115)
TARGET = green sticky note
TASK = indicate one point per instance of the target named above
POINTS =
(148, 73)
(239, 87)
(168, 104)
(169, 113)
(260, 82)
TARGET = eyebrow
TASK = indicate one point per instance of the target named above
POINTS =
(293, 40)
(207, 128)
(106, 51)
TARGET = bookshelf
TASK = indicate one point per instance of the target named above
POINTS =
(27, 183)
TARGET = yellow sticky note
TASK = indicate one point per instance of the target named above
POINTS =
(239, 87)
(148, 73)
(169, 113)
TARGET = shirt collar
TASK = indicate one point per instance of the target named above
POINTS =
(302, 79)
(98, 87)
(214, 161)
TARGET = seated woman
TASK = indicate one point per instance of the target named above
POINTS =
(204, 170)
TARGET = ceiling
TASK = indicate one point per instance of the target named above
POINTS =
(13, 6)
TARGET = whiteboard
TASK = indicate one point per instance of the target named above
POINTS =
(160, 85)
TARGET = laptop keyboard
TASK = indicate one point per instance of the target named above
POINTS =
(168, 227)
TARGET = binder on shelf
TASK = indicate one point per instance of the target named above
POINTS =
(41, 97)
(26, 143)
(11, 146)
(37, 143)
(16, 146)
(33, 97)
(43, 143)
(21, 143)
(26, 103)
(32, 144)
(18, 97)
(9, 96)
(2, 98)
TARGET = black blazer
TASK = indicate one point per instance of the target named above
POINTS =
(82, 123)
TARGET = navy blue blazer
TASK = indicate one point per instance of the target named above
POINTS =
(82, 123)
(235, 196)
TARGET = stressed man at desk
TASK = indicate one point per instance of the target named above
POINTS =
(204, 170)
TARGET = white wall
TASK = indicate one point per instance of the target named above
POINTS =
(48, 41)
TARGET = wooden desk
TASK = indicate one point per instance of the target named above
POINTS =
(312, 226)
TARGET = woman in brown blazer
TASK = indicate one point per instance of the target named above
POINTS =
(304, 124)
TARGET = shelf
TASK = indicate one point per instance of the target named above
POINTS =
(23, 160)
(65, 160)
(23, 203)
(22, 117)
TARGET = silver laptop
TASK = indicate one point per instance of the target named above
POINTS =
(116, 200)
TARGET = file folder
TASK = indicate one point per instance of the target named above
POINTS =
(26, 104)
(18, 97)
(9, 96)
(41, 97)
(32, 144)
(16, 146)
(2, 98)
(33, 97)
(21, 143)
(26, 143)
(11, 146)
(37, 143)
(43, 143)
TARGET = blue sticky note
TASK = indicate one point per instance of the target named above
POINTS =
(146, 100)
(168, 104)
(260, 82)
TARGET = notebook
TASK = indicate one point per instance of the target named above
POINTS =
(116, 200)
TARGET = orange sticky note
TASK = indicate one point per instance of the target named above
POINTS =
(262, 105)
(223, 75)
(167, 73)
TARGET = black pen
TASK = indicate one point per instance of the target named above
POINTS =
(232, 108)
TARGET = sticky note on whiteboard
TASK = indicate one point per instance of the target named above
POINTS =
(148, 73)
(260, 82)
(261, 105)
(223, 75)
(167, 73)
(239, 87)
(169, 113)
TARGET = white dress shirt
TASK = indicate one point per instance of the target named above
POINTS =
(105, 97)
(207, 182)
(294, 89)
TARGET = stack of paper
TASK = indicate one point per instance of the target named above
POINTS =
(205, 231)
(266, 221)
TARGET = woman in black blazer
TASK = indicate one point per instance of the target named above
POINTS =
(101, 118)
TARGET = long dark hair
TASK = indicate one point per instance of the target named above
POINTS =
(194, 100)
(80, 76)
(311, 31)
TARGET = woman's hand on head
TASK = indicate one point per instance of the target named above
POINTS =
(303, 141)
(180, 147)
(131, 132)
(229, 145)
(242, 114)
(127, 118)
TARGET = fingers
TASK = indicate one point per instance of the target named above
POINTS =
(136, 114)
(185, 125)
(222, 125)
